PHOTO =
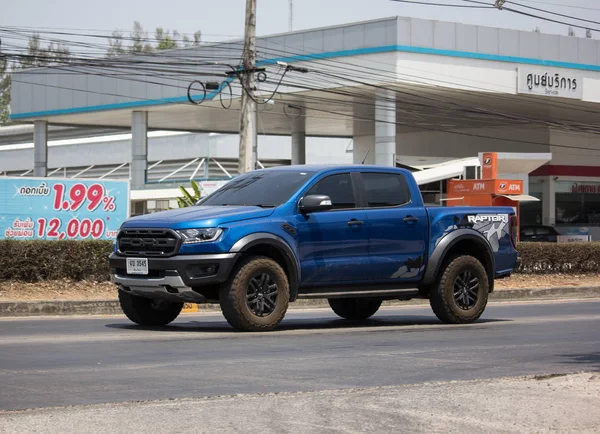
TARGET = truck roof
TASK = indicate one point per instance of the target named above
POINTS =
(315, 168)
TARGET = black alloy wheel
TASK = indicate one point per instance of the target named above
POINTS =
(261, 295)
(466, 288)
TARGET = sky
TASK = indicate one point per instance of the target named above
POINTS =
(224, 19)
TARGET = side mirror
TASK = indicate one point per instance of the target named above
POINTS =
(315, 203)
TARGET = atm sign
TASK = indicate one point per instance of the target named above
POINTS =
(509, 187)
(486, 186)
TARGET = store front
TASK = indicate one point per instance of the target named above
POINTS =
(569, 203)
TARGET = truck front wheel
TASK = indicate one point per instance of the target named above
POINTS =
(145, 311)
(354, 308)
(258, 296)
(462, 292)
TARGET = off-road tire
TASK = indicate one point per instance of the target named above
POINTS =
(354, 308)
(233, 296)
(146, 312)
(441, 296)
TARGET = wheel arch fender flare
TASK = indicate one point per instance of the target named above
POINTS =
(441, 251)
(264, 238)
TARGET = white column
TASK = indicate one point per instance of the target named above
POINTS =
(299, 139)
(363, 134)
(549, 201)
(40, 148)
(139, 148)
(385, 129)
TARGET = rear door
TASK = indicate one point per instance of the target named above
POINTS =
(397, 228)
(333, 245)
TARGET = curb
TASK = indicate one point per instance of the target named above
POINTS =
(111, 307)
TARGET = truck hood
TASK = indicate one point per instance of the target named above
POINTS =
(197, 216)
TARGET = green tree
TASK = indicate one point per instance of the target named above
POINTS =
(188, 198)
(139, 42)
(36, 56)
(115, 44)
(4, 92)
(165, 40)
(138, 38)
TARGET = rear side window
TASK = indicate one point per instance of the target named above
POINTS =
(385, 189)
(338, 188)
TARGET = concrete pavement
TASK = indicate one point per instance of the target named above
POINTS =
(82, 360)
(539, 404)
(109, 307)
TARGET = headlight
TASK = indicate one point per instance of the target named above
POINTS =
(194, 236)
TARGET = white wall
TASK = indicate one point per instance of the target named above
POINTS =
(188, 146)
(463, 145)
(563, 155)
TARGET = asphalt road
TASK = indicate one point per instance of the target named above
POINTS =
(71, 361)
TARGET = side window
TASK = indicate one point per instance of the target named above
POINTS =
(385, 189)
(338, 188)
(528, 232)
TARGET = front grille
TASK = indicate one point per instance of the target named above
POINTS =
(147, 242)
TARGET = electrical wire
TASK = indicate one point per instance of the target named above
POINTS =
(554, 13)
(441, 4)
(527, 14)
(559, 4)
(281, 81)
(189, 92)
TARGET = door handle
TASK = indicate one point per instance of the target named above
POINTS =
(355, 223)
(410, 219)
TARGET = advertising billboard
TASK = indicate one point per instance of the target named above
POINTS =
(60, 209)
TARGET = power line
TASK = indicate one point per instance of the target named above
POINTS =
(527, 14)
(555, 13)
(130, 65)
(442, 4)
(559, 4)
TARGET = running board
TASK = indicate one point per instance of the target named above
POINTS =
(405, 293)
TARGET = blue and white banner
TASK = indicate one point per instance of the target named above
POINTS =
(58, 209)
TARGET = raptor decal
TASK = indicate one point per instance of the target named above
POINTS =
(493, 226)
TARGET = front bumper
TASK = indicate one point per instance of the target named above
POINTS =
(174, 278)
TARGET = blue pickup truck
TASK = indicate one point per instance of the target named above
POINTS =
(356, 235)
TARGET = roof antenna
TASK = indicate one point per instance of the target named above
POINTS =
(365, 159)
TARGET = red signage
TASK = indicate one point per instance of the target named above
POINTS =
(490, 165)
(485, 186)
(585, 188)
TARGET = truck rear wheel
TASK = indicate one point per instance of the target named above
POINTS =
(145, 311)
(354, 308)
(258, 296)
(462, 292)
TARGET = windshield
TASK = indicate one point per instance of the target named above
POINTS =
(264, 189)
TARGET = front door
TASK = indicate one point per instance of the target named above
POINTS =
(333, 245)
(397, 229)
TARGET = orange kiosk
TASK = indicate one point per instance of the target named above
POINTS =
(488, 191)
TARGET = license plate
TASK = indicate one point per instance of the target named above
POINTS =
(137, 265)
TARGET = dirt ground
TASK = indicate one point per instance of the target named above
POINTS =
(68, 290)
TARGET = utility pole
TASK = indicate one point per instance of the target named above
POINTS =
(291, 22)
(248, 127)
